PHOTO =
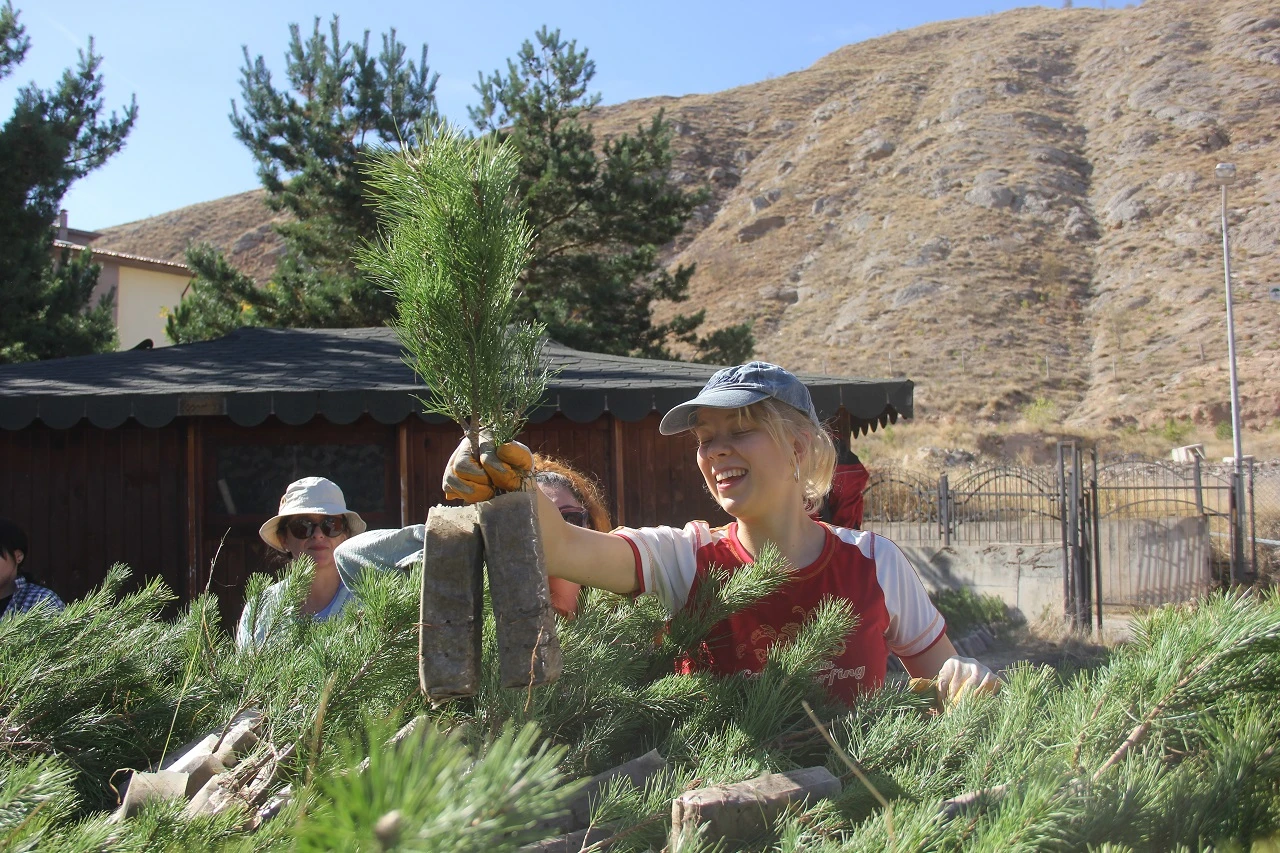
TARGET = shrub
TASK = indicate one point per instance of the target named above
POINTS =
(965, 609)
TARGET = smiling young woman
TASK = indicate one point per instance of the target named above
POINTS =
(767, 460)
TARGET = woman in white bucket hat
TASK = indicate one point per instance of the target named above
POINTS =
(313, 520)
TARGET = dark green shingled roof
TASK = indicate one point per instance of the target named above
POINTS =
(341, 374)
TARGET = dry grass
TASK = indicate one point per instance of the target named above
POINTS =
(1048, 641)
(912, 443)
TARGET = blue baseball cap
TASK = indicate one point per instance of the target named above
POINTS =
(735, 387)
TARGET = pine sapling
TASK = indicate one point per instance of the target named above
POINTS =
(454, 244)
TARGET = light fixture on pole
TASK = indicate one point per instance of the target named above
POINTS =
(1225, 175)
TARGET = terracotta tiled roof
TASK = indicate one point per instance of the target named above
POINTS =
(127, 258)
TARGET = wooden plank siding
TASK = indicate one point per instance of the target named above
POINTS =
(90, 497)
(662, 482)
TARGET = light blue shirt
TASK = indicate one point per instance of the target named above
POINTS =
(253, 631)
(382, 550)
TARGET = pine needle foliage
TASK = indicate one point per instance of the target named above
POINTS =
(429, 793)
(602, 209)
(53, 138)
(1192, 696)
(454, 243)
(310, 134)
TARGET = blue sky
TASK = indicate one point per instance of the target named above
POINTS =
(182, 60)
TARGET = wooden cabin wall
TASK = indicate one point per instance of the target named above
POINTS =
(588, 447)
(429, 447)
(661, 480)
(90, 497)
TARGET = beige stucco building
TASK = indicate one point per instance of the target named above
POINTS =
(145, 289)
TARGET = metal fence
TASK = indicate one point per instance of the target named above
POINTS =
(1032, 505)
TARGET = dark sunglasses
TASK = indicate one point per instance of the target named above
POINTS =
(576, 517)
(330, 525)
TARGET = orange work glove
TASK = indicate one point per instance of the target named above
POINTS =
(506, 467)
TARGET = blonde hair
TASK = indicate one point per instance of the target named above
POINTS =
(785, 424)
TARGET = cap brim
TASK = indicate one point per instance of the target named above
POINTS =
(680, 418)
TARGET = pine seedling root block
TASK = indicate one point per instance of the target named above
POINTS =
(148, 787)
(450, 610)
(637, 770)
(573, 842)
(745, 810)
(528, 649)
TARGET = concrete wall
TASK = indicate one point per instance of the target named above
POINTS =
(142, 297)
(1145, 562)
(1026, 577)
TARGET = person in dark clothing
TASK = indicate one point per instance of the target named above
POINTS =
(17, 592)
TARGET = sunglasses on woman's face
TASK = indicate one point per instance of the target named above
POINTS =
(576, 517)
(330, 525)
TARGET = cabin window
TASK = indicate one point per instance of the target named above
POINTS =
(249, 468)
(252, 479)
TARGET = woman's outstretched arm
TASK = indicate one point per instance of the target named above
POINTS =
(584, 556)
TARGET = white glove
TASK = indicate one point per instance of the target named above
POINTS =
(960, 676)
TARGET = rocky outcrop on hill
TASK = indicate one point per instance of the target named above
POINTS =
(1007, 209)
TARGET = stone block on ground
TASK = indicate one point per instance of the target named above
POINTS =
(747, 810)
(528, 649)
(637, 770)
(450, 609)
(574, 842)
(146, 787)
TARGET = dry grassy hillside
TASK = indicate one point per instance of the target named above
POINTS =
(240, 225)
(1006, 209)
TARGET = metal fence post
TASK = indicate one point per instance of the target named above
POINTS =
(1237, 525)
(1253, 530)
(1080, 562)
(1094, 512)
(944, 508)
(1199, 487)
(1066, 548)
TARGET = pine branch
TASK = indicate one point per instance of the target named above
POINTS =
(453, 248)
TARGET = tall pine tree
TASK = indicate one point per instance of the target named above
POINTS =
(53, 138)
(600, 214)
(311, 140)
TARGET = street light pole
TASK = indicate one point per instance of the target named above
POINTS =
(1225, 175)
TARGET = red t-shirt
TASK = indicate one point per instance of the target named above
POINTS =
(843, 503)
(860, 567)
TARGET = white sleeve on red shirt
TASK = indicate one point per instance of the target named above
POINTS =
(667, 560)
(914, 623)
